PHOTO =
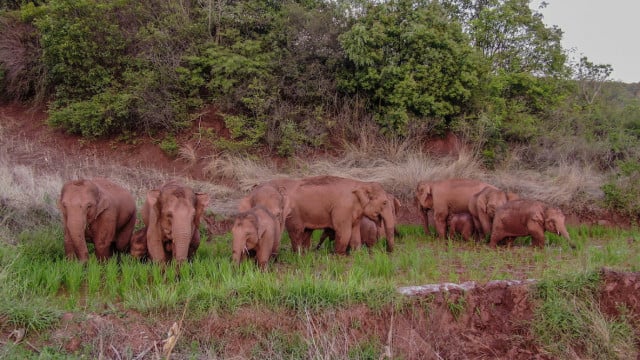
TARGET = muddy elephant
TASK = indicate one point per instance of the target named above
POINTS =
(171, 215)
(256, 233)
(527, 217)
(444, 197)
(337, 203)
(273, 197)
(370, 231)
(483, 205)
(461, 223)
(99, 211)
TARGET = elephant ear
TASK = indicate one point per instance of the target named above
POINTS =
(154, 211)
(482, 203)
(154, 235)
(202, 200)
(396, 205)
(512, 196)
(286, 203)
(426, 193)
(102, 205)
(362, 192)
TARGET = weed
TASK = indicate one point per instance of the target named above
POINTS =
(457, 306)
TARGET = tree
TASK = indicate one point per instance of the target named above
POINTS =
(590, 77)
(411, 62)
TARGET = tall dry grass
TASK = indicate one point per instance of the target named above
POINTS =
(30, 182)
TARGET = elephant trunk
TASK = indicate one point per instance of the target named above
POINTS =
(182, 234)
(391, 231)
(239, 247)
(565, 234)
(76, 226)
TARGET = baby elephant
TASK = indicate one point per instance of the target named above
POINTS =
(461, 223)
(369, 233)
(256, 232)
(527, 217)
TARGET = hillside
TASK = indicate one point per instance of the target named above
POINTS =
(489, 319)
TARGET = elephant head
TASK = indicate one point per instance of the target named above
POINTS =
(377, 206)
(246, 234)
(172, 215)
(81, 202)
(493, 199)
(554, 222)
(424, 195)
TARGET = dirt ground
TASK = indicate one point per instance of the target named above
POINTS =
(492, 325)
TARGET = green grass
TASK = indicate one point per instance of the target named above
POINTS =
(37, 283)
(317, 279)
(568, 321)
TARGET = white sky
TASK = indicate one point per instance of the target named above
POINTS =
(606, 32)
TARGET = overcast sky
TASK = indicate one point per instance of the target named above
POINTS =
(606, 32)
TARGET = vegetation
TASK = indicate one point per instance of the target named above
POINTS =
(370, 79)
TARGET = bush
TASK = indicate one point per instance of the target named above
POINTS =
(104, 114)
(622, 192)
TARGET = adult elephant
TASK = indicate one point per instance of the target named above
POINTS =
(445, 197)
(337, 203)
(483, 205)
(171, 215)
(99, 211)
(527, 217)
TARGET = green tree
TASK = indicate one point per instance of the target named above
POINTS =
(591, 77)
(411, 62)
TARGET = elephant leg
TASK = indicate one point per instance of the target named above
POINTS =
(425, 220)
(355, 240)
(441, 223)
(537, 238)
(343, 237)
(327, 233)
(495, 239)
(305, 240)
(123, 238)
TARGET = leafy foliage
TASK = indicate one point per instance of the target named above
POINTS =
(294, 75)
(411, 62)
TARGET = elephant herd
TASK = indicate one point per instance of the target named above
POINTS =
(474, 208)
(350, 212)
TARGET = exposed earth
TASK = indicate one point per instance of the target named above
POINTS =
(492, 325)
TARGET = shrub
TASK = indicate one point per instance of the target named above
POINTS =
(104, 114)
(622, 192)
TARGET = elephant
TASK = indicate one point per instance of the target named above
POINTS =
(171, 215)
(428, 221)
(370, 231)
(99, 211)
(444, 197)
(527, 217)
(138, 247)
(483, 205)
(273, 197)
(256, 232)
(337, 203)
(461, 223)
